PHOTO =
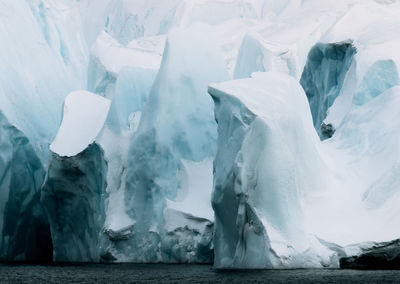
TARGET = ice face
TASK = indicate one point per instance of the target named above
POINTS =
(155, 167)
(43, 34)
(323, 77)
(73, 197)
(73, 193)
(25, 232)
(132, 89)
(259, 173)
(124, 74)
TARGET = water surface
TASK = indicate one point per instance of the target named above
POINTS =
(163, 273)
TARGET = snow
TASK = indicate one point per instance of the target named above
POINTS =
(83, 119)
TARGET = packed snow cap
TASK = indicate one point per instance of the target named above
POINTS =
(83, 119)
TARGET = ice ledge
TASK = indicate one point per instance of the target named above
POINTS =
(84, 116)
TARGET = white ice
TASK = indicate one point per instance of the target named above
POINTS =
(83, 119)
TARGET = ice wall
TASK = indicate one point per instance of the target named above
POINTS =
(39, 34)
(73, 196)
(25, 231)
(73, 193)
(323, 77)
(266, 148)
(159, 138)
(177, 124)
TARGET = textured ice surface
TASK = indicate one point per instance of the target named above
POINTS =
(39, 35)
(266, 148)
(124, 74)
(323, 77)
(25, 232)
(73, 196)
(385, 255)
(159, 137)
(73, 193)
(177, 124)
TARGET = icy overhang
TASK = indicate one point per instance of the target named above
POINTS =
(84, 116)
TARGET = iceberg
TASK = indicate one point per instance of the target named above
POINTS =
(261, 177)
(177, 132)
(296, 167)
(277, 204)
(73, 197)
(73, 193)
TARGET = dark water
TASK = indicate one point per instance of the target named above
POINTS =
(160, 273)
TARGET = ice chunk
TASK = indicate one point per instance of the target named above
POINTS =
(379, 256)
(84, 117)
(177, 124)
(73, 193)
(188, 238)
(266, 149)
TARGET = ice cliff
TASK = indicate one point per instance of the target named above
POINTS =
(170, 154)
(291, 160)
(73, 193)
(24, 226)
(266, 146)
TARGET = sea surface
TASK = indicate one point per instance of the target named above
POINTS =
(162, 273)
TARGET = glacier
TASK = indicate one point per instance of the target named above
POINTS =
(244, 133)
